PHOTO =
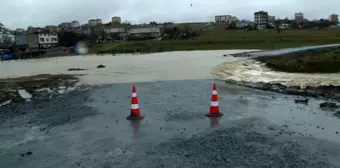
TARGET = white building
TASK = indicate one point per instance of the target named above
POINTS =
(115, 30)
(47, 40)
(222, 18)
(299, 17)
(261, 19)
(36, 40)
(75, 24)
(140, 31)
(94, 22)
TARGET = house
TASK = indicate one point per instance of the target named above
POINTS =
(225, 19)
(261, 19)
(36, 40)
(31, 29)
(192, 26)
(74, 24)
(106, 39)
(116, 29)
(52, 29)
(145, 31)
(84, 29)
(2, 38)
(19, 30)
(94, 22)
(6, 36)
(65, 25)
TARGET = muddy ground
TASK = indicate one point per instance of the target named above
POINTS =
(9, 87)
(88, 129)
(321, 92)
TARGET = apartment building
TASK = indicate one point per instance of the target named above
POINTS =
(116, 20)
(36, 40)
(299, 17)
(261, 19)
(333, 18)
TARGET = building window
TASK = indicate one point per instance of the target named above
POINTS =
(54, 39)
(47, 39)
(42, 39)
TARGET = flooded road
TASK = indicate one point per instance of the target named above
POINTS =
(125, 68)
(89, 128)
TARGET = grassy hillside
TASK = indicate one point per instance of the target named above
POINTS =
(228, 39)
(313, 61)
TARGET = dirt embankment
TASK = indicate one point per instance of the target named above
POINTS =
(33, 84)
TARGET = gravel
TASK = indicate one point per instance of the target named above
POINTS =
(234, 147)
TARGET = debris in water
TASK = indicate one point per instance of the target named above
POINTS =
(77, 69)
(24, 94)
(101, 66)
(302, 101)
(329, 105)
(29, 153)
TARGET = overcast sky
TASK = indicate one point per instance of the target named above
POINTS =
(23, 13)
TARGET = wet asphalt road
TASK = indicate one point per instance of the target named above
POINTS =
(88, 129)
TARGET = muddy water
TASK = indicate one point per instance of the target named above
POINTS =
(254, 71)
(125, 68)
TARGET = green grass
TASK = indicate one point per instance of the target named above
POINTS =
(228, 39)
(312, 61)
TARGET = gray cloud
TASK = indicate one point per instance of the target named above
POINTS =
(22, 13)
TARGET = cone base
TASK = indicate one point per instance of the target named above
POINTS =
(133, 117)
(215, 115)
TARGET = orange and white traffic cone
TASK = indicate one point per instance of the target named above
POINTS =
(134, 112)
(214, 108)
